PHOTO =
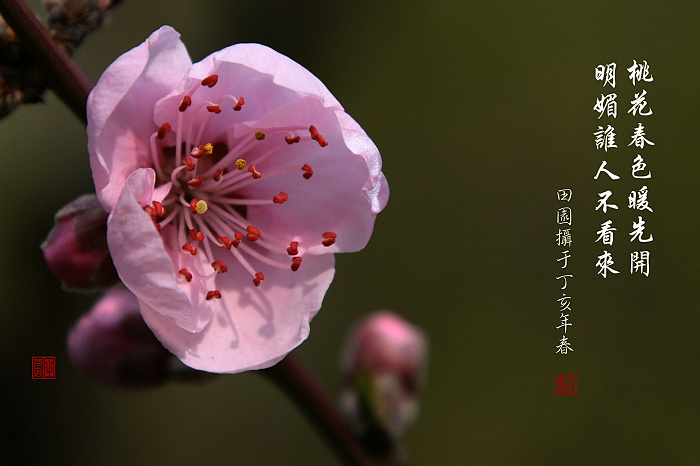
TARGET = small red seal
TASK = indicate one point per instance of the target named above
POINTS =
(43, 367)
(565, 384)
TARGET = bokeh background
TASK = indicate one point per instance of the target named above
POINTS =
(482, 111)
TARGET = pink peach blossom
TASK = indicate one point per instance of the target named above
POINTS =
(230, 183)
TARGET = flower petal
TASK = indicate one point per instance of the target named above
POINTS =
(142, 261)
(120, 109)
(255, 327)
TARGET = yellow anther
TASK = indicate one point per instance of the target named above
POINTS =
(240, 164)
(201, 207)
(259, 135)
(208, 148)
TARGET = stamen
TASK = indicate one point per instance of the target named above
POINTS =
(239, 104)
(292, 139)
(214, 294)
(195, 182)
(253, 233)
(296, 262)
(308, 172)
(258, 278)
(218, 174)
(329, 238)
(210, 81)
(256, 174)
(259, 135)
(186, 274)
(193, 205)
(237, 237)
(316, 136)
(225, 241)
(209, 148)
(160, 210)
(219, 266)
(196, 235)
(190, 164)
(189, 248)
(281, 198)
(292, 249)
(240, 164)
(214, 108)
(163, 130)
(201, 207)
(186, 102)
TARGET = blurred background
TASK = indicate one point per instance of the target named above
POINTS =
(481, 111)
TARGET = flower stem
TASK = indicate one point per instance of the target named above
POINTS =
(61, 73)
(296, 381)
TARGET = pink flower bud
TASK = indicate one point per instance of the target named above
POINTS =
(113, 345)
(76, 248)
(383, 366)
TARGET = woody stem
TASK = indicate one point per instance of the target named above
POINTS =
(62, 75)
(292, 377)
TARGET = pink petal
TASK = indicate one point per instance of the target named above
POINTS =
(142, 261)
(120, 109)
(255, 327)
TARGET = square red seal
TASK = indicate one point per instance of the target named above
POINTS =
(43, 367)
(565, 384)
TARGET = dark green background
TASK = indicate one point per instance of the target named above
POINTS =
(481, 112)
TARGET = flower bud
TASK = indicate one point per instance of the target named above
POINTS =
(383, 365)
(76, 248)
(113, 345)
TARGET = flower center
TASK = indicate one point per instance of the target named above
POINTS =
(205, 212)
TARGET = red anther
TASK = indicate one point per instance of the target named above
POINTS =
(150, 211)
(195, 182)
(186, 274)
(214, 108)
(292, 249)
(258, 278)
(292, 139)
(237, 237)
(189, 248)
(329, 238)
(163, 130)
(190, 164)
(219, 173)
(253, 233)
(197, 152)
(308, 172)
(193, 205)
(296, 262)
(186, 102)
(239, 104)
(225, 241)
(281, 198)
(215, 294)
(256, 174)
(196, 235)
(316, 136)
(219, 266)
(159, 209)
(314, 132)
(210, 81)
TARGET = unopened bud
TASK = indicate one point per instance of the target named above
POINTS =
(383, 364)
(76, 248)
(113, 345)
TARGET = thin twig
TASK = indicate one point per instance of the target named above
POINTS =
(62, 75)
(296, 381)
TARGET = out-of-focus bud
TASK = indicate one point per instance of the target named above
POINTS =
(383, 364)
(113, 345)
(76, 248)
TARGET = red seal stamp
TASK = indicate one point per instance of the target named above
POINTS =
(565, 384)
(43, 367)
